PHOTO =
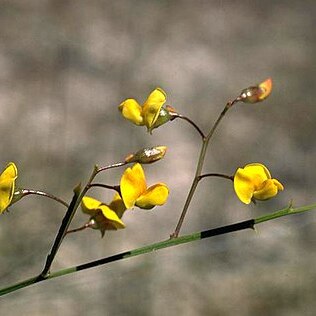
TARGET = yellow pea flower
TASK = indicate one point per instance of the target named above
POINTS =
(7, 185)
(254, 182)
(106, 217)
(134, 190)
(148, 113)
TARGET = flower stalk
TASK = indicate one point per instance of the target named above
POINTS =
(73, 206)
(197, 177)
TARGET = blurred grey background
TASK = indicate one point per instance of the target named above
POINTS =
(65, 66)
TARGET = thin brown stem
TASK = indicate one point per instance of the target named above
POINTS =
(25, 192)
(106, 186)
(219, 175)
(85, 226)
(205, 142)
(115, 165)
(191, 122)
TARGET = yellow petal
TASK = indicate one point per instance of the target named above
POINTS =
(7, 185)
(152, 106)
(89, 205)
(112, 217)
(258, 173)
(278, 184)
(117, 205)
(132, 184)
(268, 190)
(243, 186)
(265, 88)
(132, 111)
(155, 195)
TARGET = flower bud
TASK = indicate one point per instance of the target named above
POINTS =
(147, 155)
(256, 93)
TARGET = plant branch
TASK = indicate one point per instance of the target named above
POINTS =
(69, 216)
(61, 233)
(219, 175)
(106, 186)
(114, 165)
(191, 122)
(205, 142)
(248, 224)
(25, 192)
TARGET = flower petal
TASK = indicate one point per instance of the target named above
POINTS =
(132, 184)
(268, 190)
(152, 106)
(278, 184)
(117, 205)
(243, 186)
(155, 195)
(132, 111)
(111, 217)
(7, 185)
(90, 205)
(265, 88)
(258, 173)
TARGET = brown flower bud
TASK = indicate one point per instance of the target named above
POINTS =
(256, 93)
(147, 155)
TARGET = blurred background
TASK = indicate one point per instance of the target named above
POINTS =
(65, 66)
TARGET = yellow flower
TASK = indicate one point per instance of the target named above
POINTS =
(7, 185)
(146, 114)
(134, 190)
(106, 217)
(254, 182)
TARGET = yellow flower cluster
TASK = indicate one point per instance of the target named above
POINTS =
(134, 192)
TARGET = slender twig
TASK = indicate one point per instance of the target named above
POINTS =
(25, 192)
(106, 186)
(115, 165)
(83, 227)
(248, 224)
(191, 122)
(205, 142)
(69, 216)
(219, 175)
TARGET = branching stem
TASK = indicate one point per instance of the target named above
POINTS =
(78, 195)
(205, 143)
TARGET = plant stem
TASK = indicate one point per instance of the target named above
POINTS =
(106, 186)
(205, 142)
(191, 122)
(83, 227)
(25, 192)
(69, 216)
(115, 165)
(248, 224)
(219, 175)
(61, 233)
